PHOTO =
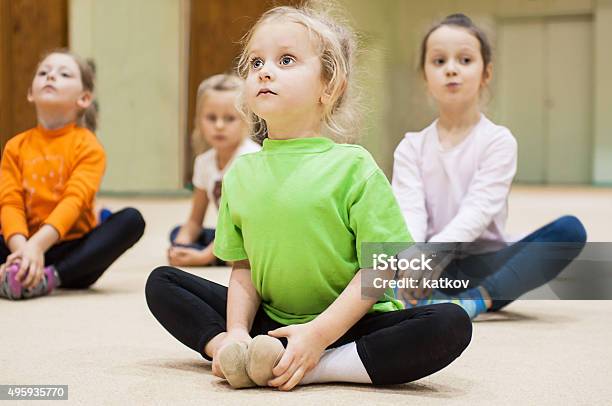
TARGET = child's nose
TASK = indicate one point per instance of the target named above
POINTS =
(219, 123)
(265, 73)
(451, 69)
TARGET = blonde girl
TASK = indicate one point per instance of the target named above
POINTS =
(220, 126)
(293, 218)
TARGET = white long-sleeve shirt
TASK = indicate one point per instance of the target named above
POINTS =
(458, 194)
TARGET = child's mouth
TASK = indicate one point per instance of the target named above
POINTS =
(265, 91)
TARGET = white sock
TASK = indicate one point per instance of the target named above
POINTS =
(340, 364)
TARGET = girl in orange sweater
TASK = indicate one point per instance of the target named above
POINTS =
(49, 176)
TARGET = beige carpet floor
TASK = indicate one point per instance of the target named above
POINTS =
(108, 348)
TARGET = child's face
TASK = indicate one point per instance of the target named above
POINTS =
(284, 79)
(57, 84)
(454, 66)
(220, 123)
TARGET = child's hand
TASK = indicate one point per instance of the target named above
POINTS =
(6, 265)
(31, 260)
(182, 239)
(304, 349)
(183, 256)
(229, 338)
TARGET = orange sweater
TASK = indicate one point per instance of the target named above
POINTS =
(50, 177)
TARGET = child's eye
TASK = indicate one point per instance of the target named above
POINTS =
(211, 117)
(256, 63)
(42, 73)
(229, 119)
(66, 75)
(287, 60)
(466, 60)
(438, 61)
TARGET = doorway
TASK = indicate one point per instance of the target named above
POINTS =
(216, 27)
(28, 28)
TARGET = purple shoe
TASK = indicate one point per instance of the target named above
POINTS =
(51, 277)
(12, 289)
(14, 286)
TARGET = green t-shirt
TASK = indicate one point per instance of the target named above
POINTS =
(299, 211)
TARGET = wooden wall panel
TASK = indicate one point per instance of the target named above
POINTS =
(216, 28)
(5, 110)
(28, 29)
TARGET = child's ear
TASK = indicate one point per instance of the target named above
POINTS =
(326, 97)
(487, 74)
(29, 96)
(85, 100)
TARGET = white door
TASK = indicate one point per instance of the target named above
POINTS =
(544, 94)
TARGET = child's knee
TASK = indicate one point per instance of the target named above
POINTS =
(156, 281)
(455, 324)
(571, 229)
(133, 223)
(159, 276)
(135, 219)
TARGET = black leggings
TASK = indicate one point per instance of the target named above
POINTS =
(81, 262)
(395, 347)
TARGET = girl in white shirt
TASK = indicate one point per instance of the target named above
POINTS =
(219, 124)
(452, 181)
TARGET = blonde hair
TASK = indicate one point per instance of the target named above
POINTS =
(223, 82)
(88, 117)
(336, 44)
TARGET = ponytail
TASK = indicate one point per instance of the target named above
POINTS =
(88, 118)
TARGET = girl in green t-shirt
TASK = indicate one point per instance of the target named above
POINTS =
(292, 219)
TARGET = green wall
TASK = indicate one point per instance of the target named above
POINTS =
(402, 104)
(603, 93)
(138, 48)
